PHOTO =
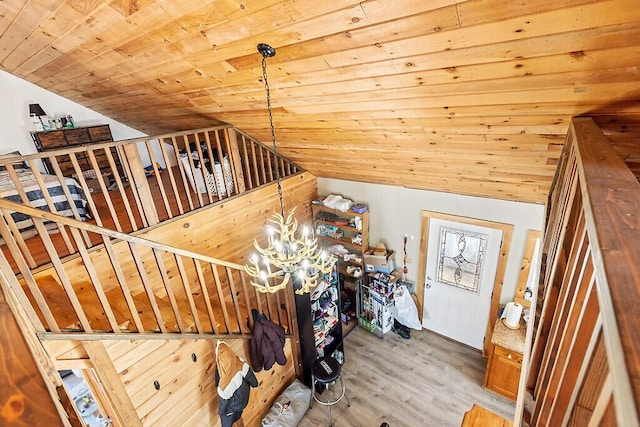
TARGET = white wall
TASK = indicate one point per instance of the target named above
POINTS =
(396, 211)
(15, 124)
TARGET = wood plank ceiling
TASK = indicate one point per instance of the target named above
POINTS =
(471, 97)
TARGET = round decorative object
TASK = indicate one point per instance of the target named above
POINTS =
(266, 51)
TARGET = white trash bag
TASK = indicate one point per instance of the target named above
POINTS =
(404, 309)
(289, 407)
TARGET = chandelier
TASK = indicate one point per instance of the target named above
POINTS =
(289, 256)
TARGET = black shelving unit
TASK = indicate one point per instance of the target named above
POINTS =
(319, 324)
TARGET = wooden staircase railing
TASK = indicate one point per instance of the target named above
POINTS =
(143, 182)
(585, 364)
(129, 286)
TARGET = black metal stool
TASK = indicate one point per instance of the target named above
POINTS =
(326, 373)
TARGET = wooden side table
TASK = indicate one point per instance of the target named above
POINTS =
(505, 360)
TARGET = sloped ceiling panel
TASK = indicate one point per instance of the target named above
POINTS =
(471, 97)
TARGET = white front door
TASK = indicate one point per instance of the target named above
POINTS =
(460, 273)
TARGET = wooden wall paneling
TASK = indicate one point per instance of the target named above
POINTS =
(110, 381)
(187, 394)
(507, 69)
(139, 379)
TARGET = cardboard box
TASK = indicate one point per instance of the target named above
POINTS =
(379, 259)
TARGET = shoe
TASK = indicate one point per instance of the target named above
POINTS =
(401, 330)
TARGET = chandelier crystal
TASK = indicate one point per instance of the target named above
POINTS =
(289, 257)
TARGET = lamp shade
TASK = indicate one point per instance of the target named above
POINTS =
(37, 110)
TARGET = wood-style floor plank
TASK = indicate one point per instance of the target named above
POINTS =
(425, 381)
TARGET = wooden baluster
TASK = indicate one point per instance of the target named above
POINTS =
(104, 187)
(185, 183)
(62, 275)
(221, 297)
(169, 171)
(136, 197)
(193, 170)
(120, 184)
(52, 207)
(95, 281)
(147, 286)
(205, 296)
(156, 173)
(126, 292)
(162, 269)
(29, 280)
(213, 168)
(234, 298)
(188, 292)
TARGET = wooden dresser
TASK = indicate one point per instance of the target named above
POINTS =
(505, 360)
(66, 138)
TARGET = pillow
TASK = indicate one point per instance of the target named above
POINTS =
(18, 164)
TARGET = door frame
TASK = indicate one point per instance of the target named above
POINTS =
(505, 245)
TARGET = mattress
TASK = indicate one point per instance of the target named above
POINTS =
(36, 196)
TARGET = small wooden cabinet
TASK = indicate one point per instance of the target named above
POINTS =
(71, 137)
(503, 372)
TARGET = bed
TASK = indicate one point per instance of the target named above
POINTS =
(36, 197)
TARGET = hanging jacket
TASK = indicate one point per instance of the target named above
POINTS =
(267, 343)
(234, 379)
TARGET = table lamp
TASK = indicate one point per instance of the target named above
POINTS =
(36, 110)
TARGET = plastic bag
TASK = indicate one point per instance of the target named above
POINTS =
(289, 407)
(404, 309)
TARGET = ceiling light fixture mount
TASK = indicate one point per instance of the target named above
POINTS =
(288, 256)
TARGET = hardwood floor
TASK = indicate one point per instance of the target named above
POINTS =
(427, 380)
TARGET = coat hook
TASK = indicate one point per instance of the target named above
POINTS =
(156, 384)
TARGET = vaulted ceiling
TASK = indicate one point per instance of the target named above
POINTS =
(471, 97)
